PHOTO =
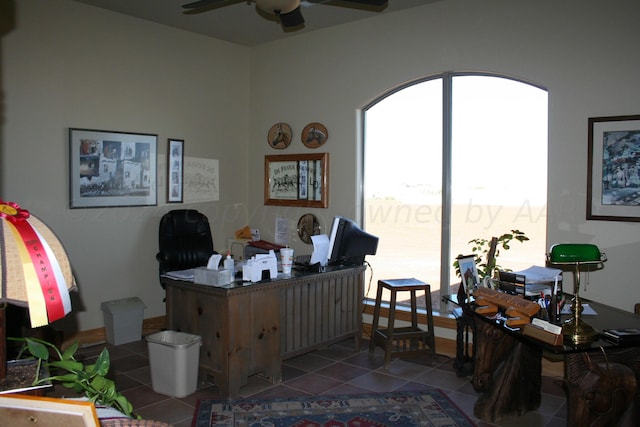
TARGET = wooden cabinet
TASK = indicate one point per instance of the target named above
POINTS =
(250, 328)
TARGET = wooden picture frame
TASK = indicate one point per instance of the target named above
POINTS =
(297, 180)
(109, 168)
(175, 170)
(613, 179)
(23, 410)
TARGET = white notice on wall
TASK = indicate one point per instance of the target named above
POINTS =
(282, 231)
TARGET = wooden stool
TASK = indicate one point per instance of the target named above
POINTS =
(385, 337)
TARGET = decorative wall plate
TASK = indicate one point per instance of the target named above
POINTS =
(308, 225)
(314, 135)
(279, 136)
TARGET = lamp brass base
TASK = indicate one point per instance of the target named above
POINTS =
(579, 332)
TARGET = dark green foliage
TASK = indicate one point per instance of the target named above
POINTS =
(90, 380)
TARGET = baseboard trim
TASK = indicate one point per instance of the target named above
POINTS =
(99, 335)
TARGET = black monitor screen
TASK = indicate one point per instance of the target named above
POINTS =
(348, 243)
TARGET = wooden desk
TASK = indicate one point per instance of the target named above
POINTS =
(508, 365)
(249, 328)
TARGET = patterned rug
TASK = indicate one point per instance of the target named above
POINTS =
(420, 408)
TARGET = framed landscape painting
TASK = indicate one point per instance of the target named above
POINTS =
(613, 180)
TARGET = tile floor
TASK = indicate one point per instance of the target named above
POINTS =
(338, 369)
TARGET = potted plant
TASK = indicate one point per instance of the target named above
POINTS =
(90, 380)
(482, 247)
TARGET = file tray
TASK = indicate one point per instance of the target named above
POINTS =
(205, 276)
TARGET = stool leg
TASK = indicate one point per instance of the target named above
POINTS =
(414, 310)
(414, 344)
(388, 347)
(432, 334)
(376, 321)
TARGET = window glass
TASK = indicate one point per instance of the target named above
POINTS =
(498, 174)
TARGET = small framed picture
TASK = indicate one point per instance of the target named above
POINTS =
(175, 170)
(468, 272)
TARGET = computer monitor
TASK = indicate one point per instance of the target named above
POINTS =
(349, 244)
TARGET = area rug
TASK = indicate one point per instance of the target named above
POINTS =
(420, 408)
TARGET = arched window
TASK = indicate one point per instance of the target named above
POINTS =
(450, 159)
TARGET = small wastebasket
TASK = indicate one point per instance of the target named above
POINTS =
(174, 358)
(123, 320)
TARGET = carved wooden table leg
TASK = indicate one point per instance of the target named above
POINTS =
(507, 371)
(465, 350)
(602, 389)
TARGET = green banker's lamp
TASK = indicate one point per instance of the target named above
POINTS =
(579, 256)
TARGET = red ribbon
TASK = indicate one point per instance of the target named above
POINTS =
(17, 216)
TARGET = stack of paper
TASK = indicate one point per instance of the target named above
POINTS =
(181, 274)
(535, 274)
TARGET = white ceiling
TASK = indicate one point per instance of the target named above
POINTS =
(240, 22)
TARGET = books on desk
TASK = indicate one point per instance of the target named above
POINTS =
(622, 335)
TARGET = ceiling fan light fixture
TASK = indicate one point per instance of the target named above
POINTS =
(278, 7)
(292, 19)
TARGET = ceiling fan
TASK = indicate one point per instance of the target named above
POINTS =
(286, 12)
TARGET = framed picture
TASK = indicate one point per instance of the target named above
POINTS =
(22, 410)
(468, 272)
(297, 180)
(175, 170)
(110, 168)
(613, 180)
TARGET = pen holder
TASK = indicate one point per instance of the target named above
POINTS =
(543, 314)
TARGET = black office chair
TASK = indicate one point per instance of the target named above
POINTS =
(184, 240)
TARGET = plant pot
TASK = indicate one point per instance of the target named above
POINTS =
(20, 378)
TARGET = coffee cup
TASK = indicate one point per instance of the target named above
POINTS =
(286, 255)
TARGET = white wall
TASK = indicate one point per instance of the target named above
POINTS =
(582, 52)
(71, 65)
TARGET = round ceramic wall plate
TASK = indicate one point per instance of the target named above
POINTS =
(308, 225)
(279, 136)
(314, 135)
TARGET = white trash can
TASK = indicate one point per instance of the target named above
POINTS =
(174, 358)
(123, 320)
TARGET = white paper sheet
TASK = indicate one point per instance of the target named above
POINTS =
(320, 249)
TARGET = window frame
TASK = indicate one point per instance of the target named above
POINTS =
(447, 158)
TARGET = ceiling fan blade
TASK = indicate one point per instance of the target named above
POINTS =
(291, 19)
(374, 4)
(368, 2)
(205, 5)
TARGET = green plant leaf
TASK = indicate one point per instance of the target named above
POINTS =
(68, 365)
(102, 364)
(70, 351)
(124, 405)
(37, 349)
